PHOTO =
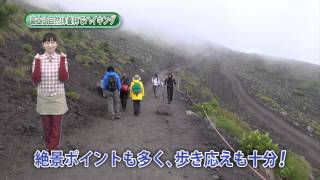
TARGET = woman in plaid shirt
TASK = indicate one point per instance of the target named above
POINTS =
(49, 72)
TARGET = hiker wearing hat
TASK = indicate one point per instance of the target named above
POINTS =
(111, 91)
(49, 72)
(136, 93)
(155, 83)
(170, 82)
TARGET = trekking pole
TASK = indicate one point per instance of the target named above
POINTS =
(176, 89)
(163, 94)
(173, 93)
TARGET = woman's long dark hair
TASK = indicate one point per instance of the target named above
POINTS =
(155, 75)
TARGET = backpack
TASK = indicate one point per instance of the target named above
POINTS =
(112, 83)
(124, 88)
(136, 88)
(155, 81)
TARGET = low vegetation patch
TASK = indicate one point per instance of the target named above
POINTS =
(17, 74)
(73, 95)
(84, 60)
(296, 166)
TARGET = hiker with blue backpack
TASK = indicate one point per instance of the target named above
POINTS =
(136, 93)
(111, 91)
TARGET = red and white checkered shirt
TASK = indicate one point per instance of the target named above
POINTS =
(50, 85)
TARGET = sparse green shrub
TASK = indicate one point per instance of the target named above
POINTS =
(296, 167)
(6, 12)
(316, 126)
(85, 60)
(230, 122)
(224, 119)
(72, 95)
(61, 49)
(132, 59)
(17, 74)
(34, 93)
(87, 65)
(208, 106)
(17, 29)
(123, 59)
(268, 100)
(2, 39)
(38, 33)
(299, 93)
(104, 46)
(191, 82)
(257, 141)
(27, 60)
(80, 35)
(27, 48)
(66, 34)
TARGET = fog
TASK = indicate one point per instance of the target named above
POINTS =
(286, 28)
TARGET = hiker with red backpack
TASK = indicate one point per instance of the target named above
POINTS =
(136, 93)
(124, 93)
(49, 72)
(111, 91)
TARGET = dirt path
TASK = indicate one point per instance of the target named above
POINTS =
(281, 131)
(147, 131)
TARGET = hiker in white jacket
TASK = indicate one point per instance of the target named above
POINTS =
(155, 83)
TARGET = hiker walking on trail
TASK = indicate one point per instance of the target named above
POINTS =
(136, 93)
(111, 91)
(49, 72)
(124, 93)
(170, 82)
(155, 84)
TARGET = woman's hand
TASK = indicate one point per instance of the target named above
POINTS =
(36, 74)
(37, 56)
(63, 72)
(62, 54)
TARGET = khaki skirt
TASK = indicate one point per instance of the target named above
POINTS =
(52, 105)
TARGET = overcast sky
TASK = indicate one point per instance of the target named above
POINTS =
(284, 28)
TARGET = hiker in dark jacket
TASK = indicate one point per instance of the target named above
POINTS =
(111, 90)
(124, 93)
(170, 82)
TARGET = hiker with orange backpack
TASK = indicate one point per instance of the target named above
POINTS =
(111, 91)
(124, 93)
(136, 93)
